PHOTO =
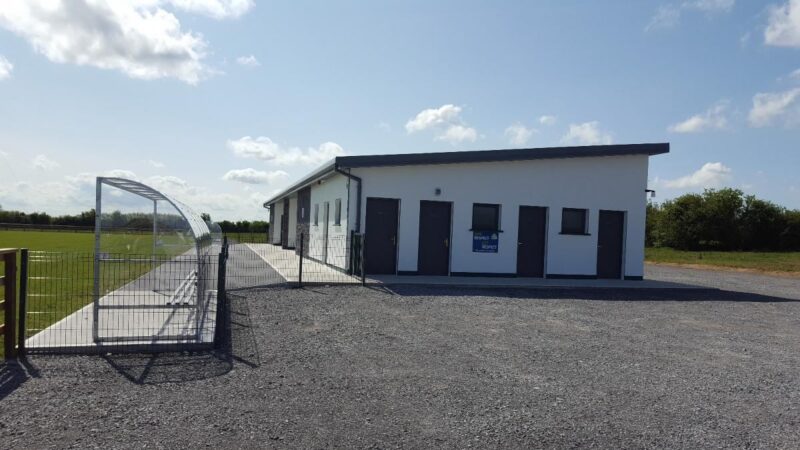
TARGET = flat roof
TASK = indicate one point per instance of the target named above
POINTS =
(472, 156)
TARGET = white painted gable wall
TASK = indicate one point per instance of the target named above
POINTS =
(611, 182)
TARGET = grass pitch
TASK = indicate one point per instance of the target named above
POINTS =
(61, 268)
(782, 262)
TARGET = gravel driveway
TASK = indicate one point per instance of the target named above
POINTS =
(439, 367)
(733, 281)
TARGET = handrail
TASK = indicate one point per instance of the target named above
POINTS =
(9, 303)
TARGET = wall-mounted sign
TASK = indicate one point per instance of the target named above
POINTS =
(484, 242)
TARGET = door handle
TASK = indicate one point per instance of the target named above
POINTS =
(447, 243)
(394, 240)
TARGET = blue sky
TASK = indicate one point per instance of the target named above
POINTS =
(223, 102)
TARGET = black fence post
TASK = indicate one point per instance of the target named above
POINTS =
(300, 271)
(23, 300)
(363, 261)
(222, 299)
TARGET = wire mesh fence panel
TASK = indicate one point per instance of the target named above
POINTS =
(247, 265)
(247, 237)
(59, 285)
(140, 300)
(332, 260)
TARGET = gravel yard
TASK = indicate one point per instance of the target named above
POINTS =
(439, 367)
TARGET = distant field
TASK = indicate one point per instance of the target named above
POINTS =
(788, 262)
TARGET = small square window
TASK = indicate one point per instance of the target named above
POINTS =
(316, 214)
(573, 221)
(485, 217)
(337, 212)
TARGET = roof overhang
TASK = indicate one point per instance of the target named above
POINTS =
(474, 156)
(313, 177)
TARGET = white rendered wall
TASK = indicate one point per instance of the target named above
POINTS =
(613, 183)
(332, 188)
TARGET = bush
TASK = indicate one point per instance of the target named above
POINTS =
(722, 219)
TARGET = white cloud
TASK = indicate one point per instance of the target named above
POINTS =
(548, 120)
(711, 6)
(121, 173)
(138, 38)
(518, 134)
(771, 107)
(713, 119)
(77, 193)
(668, 16)
(709, 176)
(265, 149)
(433, 117)
(384, 126)
(248, 61)
(156, 164)
(783, 25)
(457, 133)
(795, 74)
(5, 68)
(253, 176)
(217, 9)
(4, 154)
(588, 133)
(446, 121)
(42, 162)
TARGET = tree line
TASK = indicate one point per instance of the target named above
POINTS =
(723, 219)
(117, 219)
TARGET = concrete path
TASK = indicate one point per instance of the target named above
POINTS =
(246, 268)
(523, 282)
(287, 264)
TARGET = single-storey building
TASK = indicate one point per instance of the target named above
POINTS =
(565, 212)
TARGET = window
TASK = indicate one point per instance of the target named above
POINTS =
(316, 214)
(337, 212)
(485, 217)
(573, 221)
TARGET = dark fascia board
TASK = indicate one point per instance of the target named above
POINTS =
(523, 154)
(318, 174)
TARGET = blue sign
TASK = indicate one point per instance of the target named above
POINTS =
(484, 242)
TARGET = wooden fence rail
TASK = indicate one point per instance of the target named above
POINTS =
(8, 329)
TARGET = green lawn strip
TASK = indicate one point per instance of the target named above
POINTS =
(764, 261)
(61, 267)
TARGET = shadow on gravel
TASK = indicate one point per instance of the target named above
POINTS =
(238, 346)
(13, 374)
(598, 294)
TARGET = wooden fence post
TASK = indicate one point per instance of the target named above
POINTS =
(9, 303)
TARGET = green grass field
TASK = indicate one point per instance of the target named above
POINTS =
(788, 262)
(61, 268)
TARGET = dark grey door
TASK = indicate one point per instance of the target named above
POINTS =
(303, 219)
(611, 232)
(380, 252)
(285, 224)
(531, 241)
(325, 211)
(434, 238)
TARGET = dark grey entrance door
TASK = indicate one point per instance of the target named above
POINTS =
(380, 252)
(325, 211)
(434, 238)
(531, 241)
(610, 235)
(285, 224)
